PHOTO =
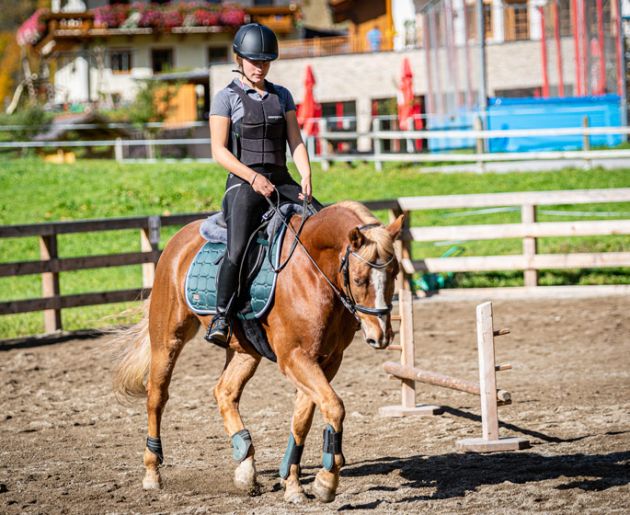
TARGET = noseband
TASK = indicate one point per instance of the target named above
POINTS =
(348, 299)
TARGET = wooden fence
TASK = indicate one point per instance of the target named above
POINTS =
(50, 264)
(530, 262)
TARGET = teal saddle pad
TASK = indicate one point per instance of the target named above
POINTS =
(201, 279)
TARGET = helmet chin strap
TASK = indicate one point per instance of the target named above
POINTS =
(242, 73)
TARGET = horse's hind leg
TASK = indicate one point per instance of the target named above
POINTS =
(238, 370)
(168, 336)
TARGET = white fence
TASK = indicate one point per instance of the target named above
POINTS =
(377, 137)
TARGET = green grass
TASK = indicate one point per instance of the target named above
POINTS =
(32, 191)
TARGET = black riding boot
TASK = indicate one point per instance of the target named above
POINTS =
(220, 329)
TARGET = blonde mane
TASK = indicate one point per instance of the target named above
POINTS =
(380, 244)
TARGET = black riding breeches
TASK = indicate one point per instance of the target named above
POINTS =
(243, 209)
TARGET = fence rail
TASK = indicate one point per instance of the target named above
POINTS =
(377, 136)
(50, 264)
(530, 262)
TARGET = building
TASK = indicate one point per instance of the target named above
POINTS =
(101, 51)
(533, 49)
(579, 56)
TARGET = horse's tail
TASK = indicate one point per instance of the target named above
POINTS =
(133, 358)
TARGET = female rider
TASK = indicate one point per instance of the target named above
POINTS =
(251, 121)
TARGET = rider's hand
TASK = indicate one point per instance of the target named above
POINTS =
(262, 185)
(307, 189)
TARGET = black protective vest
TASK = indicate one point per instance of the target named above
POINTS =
(260, 137)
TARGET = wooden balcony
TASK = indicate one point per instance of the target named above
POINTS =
(317, 47)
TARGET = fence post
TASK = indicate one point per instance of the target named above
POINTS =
(408, 351)
(310, 146)
(150, 242)
(406, 248)
(150, 147)
(323, 143)
(118, 150)
(528, 216)
(377, 143)
(398, 248)
(410, 143)
(586, 143)
(480, 144)
(50, 282)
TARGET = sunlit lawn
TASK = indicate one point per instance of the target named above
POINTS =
(32, 191)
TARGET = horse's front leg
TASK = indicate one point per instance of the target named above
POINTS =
(290, 466)
(300, 426)
(311, 380)
(238, 370)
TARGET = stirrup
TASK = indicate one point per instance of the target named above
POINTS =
(220, 336)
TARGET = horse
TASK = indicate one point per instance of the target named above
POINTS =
(339, 278)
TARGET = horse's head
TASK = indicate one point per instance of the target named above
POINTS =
(369, 269)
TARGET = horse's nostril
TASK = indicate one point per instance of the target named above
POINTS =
(371, 342)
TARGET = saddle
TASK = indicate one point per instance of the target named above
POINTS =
(259, 276)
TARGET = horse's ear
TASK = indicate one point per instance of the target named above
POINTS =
(356, 239)
(395, 227)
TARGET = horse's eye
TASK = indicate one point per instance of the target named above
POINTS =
(359, 281)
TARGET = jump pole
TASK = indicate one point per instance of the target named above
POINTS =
(491, 397)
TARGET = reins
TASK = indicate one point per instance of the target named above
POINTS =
(347, 299)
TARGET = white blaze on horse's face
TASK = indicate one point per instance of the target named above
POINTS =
(373, 287)
(372, 284)
(378, 337)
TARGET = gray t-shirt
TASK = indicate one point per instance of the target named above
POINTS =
(228, 104)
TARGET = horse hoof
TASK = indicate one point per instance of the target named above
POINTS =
(324, 490)
(295, 496)
(151, 482)
(245, 477)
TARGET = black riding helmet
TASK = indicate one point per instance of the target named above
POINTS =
(256, 43)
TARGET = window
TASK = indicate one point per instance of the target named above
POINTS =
(263, 2)
(162, 60)
(516, 93)
(120, 61)
(217, 55)
(564, 17)
(471, 19)
(516, 19)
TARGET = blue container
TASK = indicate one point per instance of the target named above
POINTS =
(460, 121)
(547, 113)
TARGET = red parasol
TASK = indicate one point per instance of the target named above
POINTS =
(309, 110)
(405, 96)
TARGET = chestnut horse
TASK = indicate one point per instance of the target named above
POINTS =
(340, 278)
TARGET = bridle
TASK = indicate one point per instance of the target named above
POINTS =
(352, 304)
(347, 299)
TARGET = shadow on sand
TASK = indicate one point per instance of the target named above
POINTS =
(452, 475)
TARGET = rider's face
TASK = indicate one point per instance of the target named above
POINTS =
(256, 71)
